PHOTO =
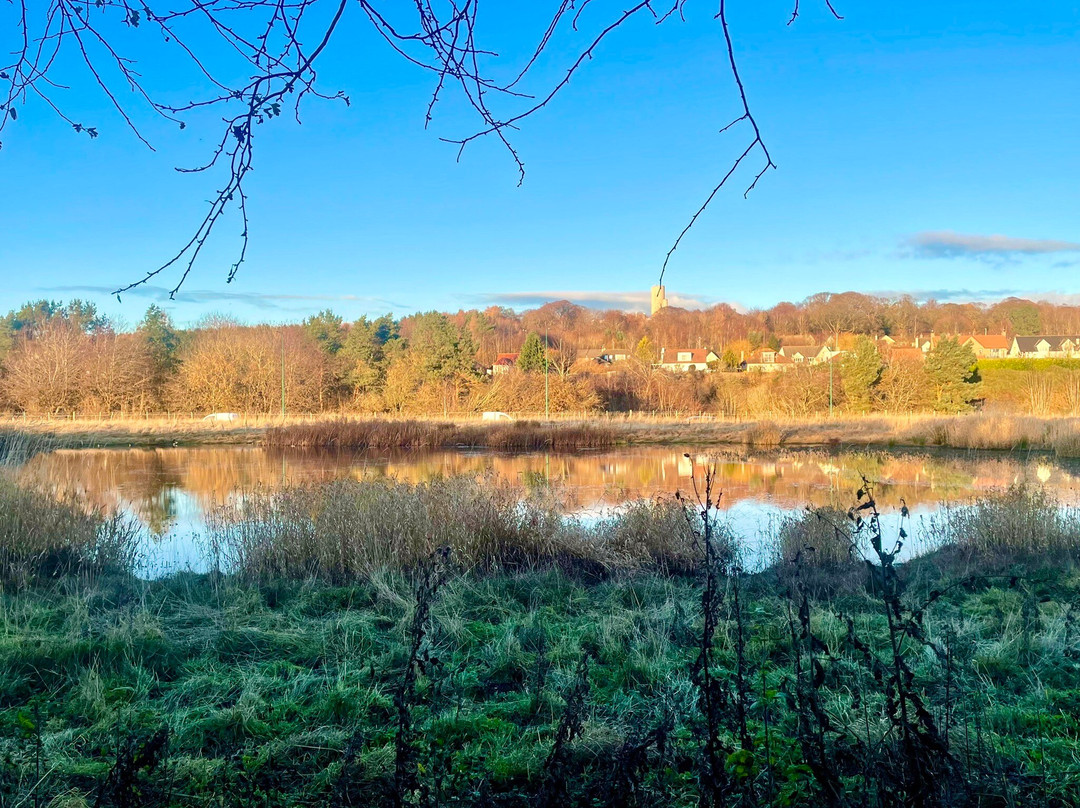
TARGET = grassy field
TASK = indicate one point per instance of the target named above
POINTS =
(984, 430)
(336, 660)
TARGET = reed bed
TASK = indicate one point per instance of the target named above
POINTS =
(16, 447)
(999, 431)
(981, 430)
(1021, 523)
(350, 529)
(42, 539)
(823, 536)
(517, 436)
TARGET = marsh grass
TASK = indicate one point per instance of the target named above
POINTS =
(989, 430)
(764, 435)
(823, 535)
(518, 436)
(348, 529)
(16, 447)
(43, 539)
(1022, 523)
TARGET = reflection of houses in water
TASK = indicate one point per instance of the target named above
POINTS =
(158, 484)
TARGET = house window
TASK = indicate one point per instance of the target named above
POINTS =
(685, 356)
(768, 356)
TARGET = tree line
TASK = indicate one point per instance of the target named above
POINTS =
(58, 358)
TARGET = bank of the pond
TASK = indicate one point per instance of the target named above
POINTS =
(992, 431)
(519, 689)
(383, 643)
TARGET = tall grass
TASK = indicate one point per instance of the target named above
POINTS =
(42, 539)
(517, 436)
(980, 430)
(16, 447)
(1020, 523)
(350, 529)
(823, 536)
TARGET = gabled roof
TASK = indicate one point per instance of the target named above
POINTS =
(755, 358)
(506, 359)
(990, 342)
(805, 350)
(1029, 344)
(670, 356)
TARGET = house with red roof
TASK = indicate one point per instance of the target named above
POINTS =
(766, 360)
(683, 359)
(503, 363)
(988, 346)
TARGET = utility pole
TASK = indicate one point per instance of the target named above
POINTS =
(830, 384)
(547, 400)
(283, 373)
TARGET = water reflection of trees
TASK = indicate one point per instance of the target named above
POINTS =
(149, 482)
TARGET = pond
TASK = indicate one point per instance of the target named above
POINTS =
(170, 490)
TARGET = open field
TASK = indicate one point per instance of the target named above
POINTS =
(529, 667)
(985, 430)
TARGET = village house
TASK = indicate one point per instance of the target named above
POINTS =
(766, 360)
(1045, 347)
(987, 346)
(603, 356)
(683, 359)
(806, 354)
(926, 343)
(884, 344)
(503, 363)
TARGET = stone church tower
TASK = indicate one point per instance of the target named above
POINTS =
(658, 299)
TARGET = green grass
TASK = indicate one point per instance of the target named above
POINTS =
(277, 684)
(1021, 363)
(285, 691)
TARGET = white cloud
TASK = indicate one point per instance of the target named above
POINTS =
(276, 302)
(949, 244)
(626, 301)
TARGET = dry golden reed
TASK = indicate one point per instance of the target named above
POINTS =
(517, 436)
(349, 529)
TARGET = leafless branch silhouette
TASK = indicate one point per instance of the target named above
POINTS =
(267, 38)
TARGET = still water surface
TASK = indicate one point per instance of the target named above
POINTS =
(169, 491)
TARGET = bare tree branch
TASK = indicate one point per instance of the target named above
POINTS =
(265, 39)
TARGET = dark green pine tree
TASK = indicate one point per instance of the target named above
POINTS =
(860, 372)
(533, 355)
(953, 375)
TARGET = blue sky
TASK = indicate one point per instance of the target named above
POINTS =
(927, 148)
